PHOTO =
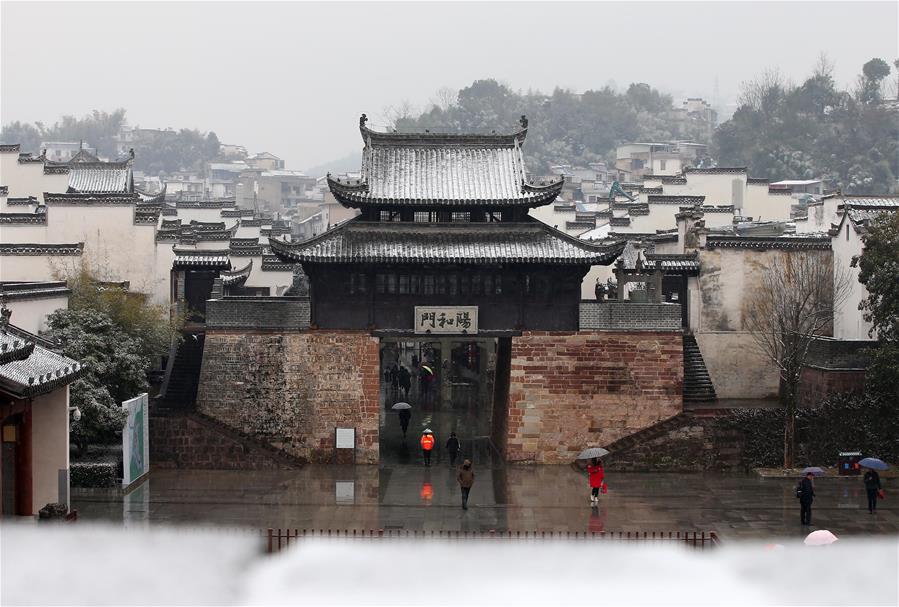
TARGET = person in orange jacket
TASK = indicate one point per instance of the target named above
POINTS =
(427, 445)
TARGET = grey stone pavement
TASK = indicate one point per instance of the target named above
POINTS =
(517, 498)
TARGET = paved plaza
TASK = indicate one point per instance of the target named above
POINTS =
(517, 498)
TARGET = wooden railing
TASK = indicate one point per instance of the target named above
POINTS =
(279, 539)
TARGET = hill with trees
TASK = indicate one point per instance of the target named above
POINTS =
(813, 130)
(167, 152)
(565, 127)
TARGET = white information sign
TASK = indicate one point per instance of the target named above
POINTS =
(346, 438)
(136, 440)
(446, 320)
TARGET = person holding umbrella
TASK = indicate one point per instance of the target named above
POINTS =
(805, 491)
(597, 475)
(404, 411)
(427, 445)
(595, 471)
(872, 480)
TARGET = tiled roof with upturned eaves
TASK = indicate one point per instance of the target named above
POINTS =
(50, 250)
(444, 170)
(464, 243)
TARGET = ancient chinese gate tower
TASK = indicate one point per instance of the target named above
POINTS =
(446, 275)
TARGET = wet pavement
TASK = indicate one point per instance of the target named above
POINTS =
(517, 498)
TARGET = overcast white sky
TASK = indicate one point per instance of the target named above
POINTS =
(292, 78)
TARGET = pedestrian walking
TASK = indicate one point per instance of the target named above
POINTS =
(597, 479)
(427, 445)
(466, 480)
(872, 488)
(452, 446)
(405, 380)
(805, 491)
(405, 416)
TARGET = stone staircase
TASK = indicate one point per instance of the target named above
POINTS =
(698, 386)
(649, 433)
(684, 443)
(188, 439)
(180, 392)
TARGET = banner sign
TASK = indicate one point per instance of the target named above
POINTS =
(136, 440)
(447, 320)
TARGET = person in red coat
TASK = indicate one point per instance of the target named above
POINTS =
(597, 476)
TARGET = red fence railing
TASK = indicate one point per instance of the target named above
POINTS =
(278, 539)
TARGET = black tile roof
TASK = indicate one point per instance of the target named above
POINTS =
(440, 169)
(101, 177)
(9, 147)
(39, 372)
(41, 249)
(34, 290)
(717, 171)
(23, 218)
(200, 258)
(91, 198)
(233, 278)
(465, 243)
(667, 199)
(814, 242)
(24, 200)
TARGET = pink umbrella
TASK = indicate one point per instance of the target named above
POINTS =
(821, 537)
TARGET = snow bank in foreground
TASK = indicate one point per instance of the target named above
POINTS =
(84, 564)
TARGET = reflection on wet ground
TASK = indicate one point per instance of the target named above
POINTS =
(516, 498)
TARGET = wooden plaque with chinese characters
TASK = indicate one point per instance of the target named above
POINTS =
(457, 320)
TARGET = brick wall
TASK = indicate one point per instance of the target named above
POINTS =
(236, 312)
(293, 389)
(572, 390)
(626, 315)
(816, 384)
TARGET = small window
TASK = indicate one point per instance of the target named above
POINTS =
(422, 217)
(404, 284)
(415, 284)
(391, 284)
(429, 284)
(441, 284)
(847, 231)
(498, 284)
(461, 217)
(661, 165)
(380, 284)
(488, 284)
(453, 284)
(476, 284)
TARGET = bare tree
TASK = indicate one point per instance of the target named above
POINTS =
(395, 114)
(793, 304)
(763, 92)
(445, 98)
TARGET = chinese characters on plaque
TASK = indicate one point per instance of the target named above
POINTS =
(437, 319)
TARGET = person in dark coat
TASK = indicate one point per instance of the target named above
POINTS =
(466, 480)
(872, 488)
(452, 446)
(805, 491)
(405, 416)
(405, 380)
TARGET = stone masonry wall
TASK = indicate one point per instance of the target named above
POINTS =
(292, 390)
(572, 390)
